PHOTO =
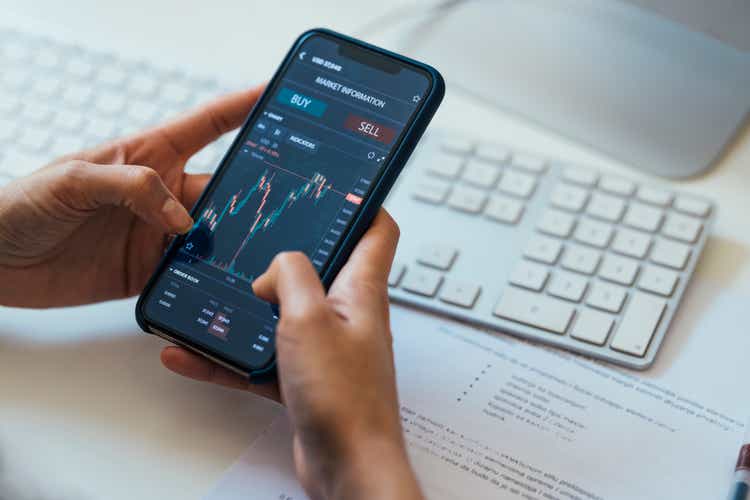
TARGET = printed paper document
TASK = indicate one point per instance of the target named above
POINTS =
(489, 416)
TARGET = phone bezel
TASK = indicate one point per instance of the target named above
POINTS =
(393, 164)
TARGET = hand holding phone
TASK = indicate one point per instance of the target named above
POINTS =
(307, 172)
(330, 346)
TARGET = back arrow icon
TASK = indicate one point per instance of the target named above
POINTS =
(302, 56)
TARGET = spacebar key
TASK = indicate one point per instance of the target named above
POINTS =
(534, 310)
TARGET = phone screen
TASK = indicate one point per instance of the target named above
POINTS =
(293, 181)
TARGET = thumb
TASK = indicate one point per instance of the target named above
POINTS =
(138, 188)
(292, 282)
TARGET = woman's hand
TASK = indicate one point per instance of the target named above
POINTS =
(336, 372)
(92, 226)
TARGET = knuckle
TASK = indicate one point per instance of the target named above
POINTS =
(218, 121)
(75, 170)
(144, 178)
(304, 317)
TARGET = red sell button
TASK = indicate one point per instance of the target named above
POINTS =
(368, 128)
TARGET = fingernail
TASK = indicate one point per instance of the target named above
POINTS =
(176, 216)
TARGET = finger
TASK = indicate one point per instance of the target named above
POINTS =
(366, 271)
(192, 188)
(190, 133)
(292, 282)
(187, 364)
(136, 187)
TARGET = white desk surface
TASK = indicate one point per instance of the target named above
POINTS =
(86, 410)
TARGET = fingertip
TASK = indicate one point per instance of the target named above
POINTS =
(262, 287)
(186, 363)
(177, 218)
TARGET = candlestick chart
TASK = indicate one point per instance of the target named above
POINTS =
(241, 228)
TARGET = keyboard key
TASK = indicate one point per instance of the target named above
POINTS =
(460, 293)
(643, 217)
(15, 51)
(592, 326)
(631, 243)
(638, 325)
(80, 68)
(101, 129)
(580, 176)
(66, 144)
(569, 197)
(670, 254)
(616, 185)
(110, 103)
(34, 140)
(446, 166)
(69, 121)
(77, 94)
(502, 209)
(567, 286)
(605, 207)
(176, 93)
(619, 270)
(654, 196)
(529, 275)
(15, 78)
(580, 259)
(142, 112)
(143, 84)
(437, 256)
(465, 199)
(658, 280)
(397, 272)
(593, 233)
(47, 58)
(111, 76)
(8, 130)
(692, 206)
(493, 153)
(606, 297)
(480, 174)
(529, 163)
(517, 184)
(682, 227)
(18, 163)
(535, 310)
(36, 112)
(457, 146)
(543, 249)
(556, 223)
(422, 282)
(9, 103)
(46, 86)
(431, 191)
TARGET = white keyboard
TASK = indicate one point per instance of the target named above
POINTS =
(592, 263)
(58, 98)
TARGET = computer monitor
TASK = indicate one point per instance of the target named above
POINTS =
(726, 20)
(662, 85)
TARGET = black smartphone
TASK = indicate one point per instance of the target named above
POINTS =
(307, 171)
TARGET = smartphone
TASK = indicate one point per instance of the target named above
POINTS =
(307, 171)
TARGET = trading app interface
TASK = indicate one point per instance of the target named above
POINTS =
(295, 182)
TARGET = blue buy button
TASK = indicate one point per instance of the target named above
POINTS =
(302, 102)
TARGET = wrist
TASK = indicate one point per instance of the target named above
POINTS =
(375, 468)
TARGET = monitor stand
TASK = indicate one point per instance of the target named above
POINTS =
(643, 89)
